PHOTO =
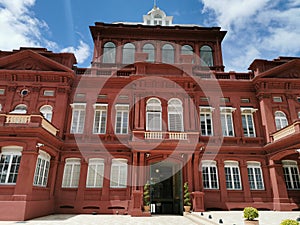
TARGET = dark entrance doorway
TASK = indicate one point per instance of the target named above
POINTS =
(166, 188)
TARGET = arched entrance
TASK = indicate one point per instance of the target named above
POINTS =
(166, 188)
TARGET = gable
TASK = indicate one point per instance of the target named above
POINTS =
(30, 60)
(289, 70)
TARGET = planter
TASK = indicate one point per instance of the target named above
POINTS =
(251, 222)
(187, 208)
(147, 208)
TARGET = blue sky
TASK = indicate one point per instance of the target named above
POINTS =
(256, 28)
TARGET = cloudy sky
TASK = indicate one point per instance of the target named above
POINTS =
(256, 28)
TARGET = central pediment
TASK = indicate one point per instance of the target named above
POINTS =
(289, 70)
(30, 60)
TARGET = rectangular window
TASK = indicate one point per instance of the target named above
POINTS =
(71, 173)
(247, 122)
(232, 173)
(225, 100)
(206, 124)
(277, 99)
(122, 112)
(291, 174)
(2, 91)
(100, 118)
(78, 117)
(204, 99)
(209, 175)
(42, 169)
(154, 121)
(255, 176)
(118, 176)
(227, 121)
(48, 93)
(245, 100)
(9, 167)
(95, 173)
(298, 99)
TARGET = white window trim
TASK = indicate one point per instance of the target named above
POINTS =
(231, 165)
(291, 164)
(207, 110)
(12, 151)
(228, 111)
(73, 162)
(211, 163)
(249, 112)
(123, 108)
(101, 112)
(82, 108)
(98, 162)
(257, 165)
(41, 173)
(178, 111)
(154, 112)
(121, 164)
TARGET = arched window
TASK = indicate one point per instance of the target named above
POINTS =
(46, 110)
(149, 48)
(109, 53)
(175, 115)
(206, 56)
(280, 120)
(20, 109)
(153, 115)
(128, 53)
(187, 50)
(167, 53)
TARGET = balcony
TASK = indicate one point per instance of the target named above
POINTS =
(286, 131)
(17, 120)
(161, 135)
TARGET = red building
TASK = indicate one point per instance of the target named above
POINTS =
(156, 106)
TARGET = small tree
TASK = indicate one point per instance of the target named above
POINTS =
(186, 195)
(250, 213)
(146, 194)
(289, 222)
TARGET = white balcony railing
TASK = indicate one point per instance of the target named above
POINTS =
(177, 136)
(20, 119)
(153, 135)
(286, 131)
(168, 135)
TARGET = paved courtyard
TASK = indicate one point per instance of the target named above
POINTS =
(228, 218)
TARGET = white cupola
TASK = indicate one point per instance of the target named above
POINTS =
(157, 17)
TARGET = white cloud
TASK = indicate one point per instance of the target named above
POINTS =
(82, 52)
(256, 28)
(19, 27)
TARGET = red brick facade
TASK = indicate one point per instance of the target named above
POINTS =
(77, 140)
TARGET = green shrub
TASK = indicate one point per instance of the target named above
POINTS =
(251, 213)
(186, 195)
(146, 194)
(289, 222)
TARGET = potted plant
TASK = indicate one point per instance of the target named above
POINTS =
(289, 222)
(186, 198)
(146, 197)
(251, 214)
